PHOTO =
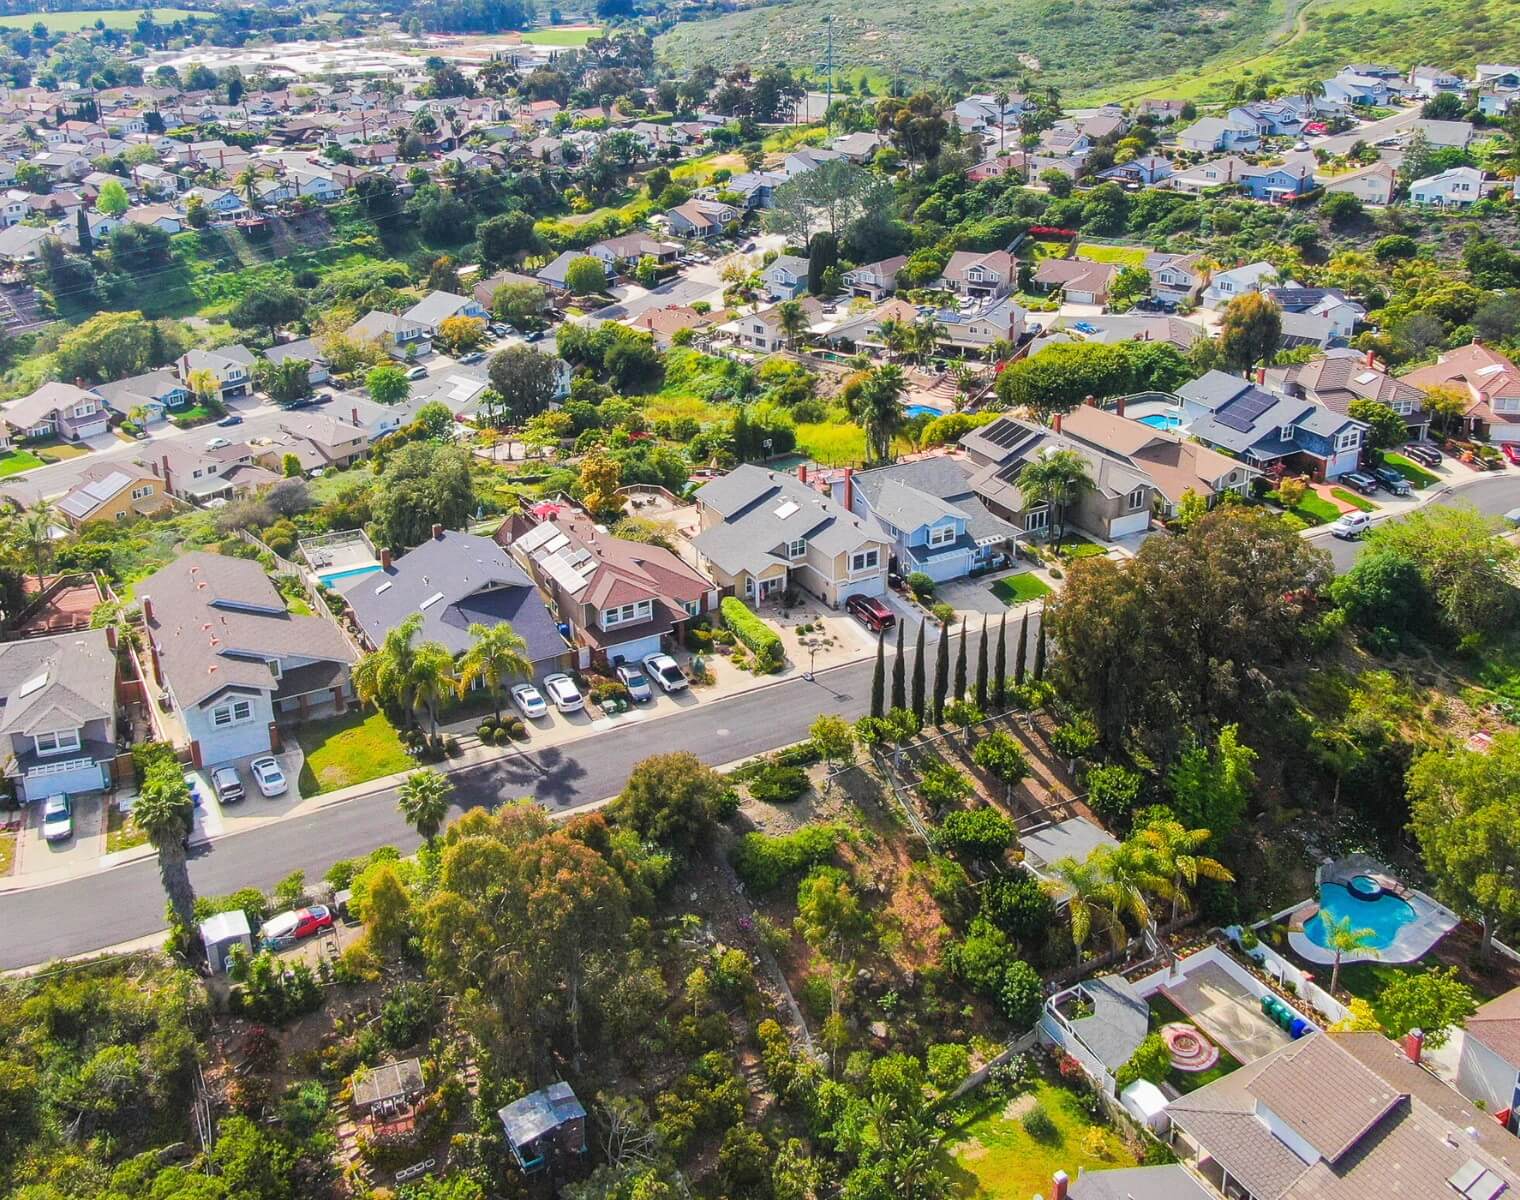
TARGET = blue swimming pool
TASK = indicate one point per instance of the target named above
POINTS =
(921, 410)
(1386, 916)
(1160, 421)
(349, 573)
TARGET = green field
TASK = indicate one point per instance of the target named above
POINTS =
(561, 37)
(343, 751)
(73, 20)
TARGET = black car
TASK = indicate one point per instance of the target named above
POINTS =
(1365, 484)
(1391, 480)
(1423, 453)
(229, 420)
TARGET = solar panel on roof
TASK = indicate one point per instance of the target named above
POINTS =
(1005, 432)
(564, 574)
(536, 537)
(555, 544)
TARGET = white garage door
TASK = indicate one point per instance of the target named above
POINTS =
(1134, 523)
(635, 651)
(867, 585)
(239, 741)
(88, 778)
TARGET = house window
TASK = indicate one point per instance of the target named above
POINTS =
(61, 741)
(83, 410)
(641, 611)
(1348, 440)
(1287, 432)
(275, 668)
(796, 549)
(226, 715)
(693, 608)
(1037, 518)
(140, 493)
(941, 535)
(1137, 500)
(864, 560)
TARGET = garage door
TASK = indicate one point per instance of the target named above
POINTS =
(223, 745)
(635, 651)
(869, 585)
(88, 778)
(1134, 523)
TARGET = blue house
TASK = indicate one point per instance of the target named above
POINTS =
(1266, 429)
(937, 522)
(1281, 182)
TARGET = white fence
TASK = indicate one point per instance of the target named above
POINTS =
(1053, 1032)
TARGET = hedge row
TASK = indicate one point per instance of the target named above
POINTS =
(764, 641)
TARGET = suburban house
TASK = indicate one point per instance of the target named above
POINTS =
(1176, 278)
(201, 476)
(969, 273)
(982, 327)
(1343, 375)
(232, 366)
(1272, 118)
(157, 393)
(621, 599)
(786, 278)
(700, 219)
(664, 323)
(319, 442)
(1226, 285)
(401, 337)
(1459, 187)
(1488, 1069)
(307, 350)
(1210, 134)
(1432, 81)
(1371, 185)
(627, 249)
(1118, 504)
(1112, 328)
(1445, 134)
(1339, 312)
(456, 580)
(929, 507)
(58, 712)
(762, 331)
(1267, 430)
(865, 330)
(61, 410)
(1174, 465)
(1217, 172)
(1489, 379)
(556, 274)
(859, 148)
(112, 492)
(1280, 181)
(1078, 280)
(1147, 170)
(485, 291)
(762, 531)
(877, 280)
(437, 307)
(1353, 88)
(1014, 162)
(232, 660)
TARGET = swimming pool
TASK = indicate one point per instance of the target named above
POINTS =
(921, 410)
(1386, 916)
(348, 573)
(1160, 421)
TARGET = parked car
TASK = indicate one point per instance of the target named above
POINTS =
(292, 926)
(230, 420)
(875, 615)
(527, 700)
(1423, 453)
(474, 356)
(499, 329)
(57, 819)
(267, 775)
(417, 373)
(665, 671)
(563, 693)
(1511, 451)
(227, 785)
(1351, 525)
(635, 681)
(1366, 484)
(216, 443)
(1392, 480)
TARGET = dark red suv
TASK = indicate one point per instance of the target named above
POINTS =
(876, 615)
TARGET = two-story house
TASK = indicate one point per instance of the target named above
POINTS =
(1217, 172)
(1339, 311)
(320, 442)
(1488, 1069)
(1177, 278)
(762, 331)
(1210, 134)
(308, 351)
(877, 280)
(622, 600)
(199, 476)
(701, 220)
(1342, 376)
(232, 366)
(112, 492)
(980, 328)
(1280, 181)
(969, 273)
(1265, 429)
(1078, 280)
(937, 523)
(1489, 380)
(61, 410)
(1225, 286)
(232, 660)
(437, 307)
(786, 277)
(58, 712)
(1459, 187)
(401, 337)
(626, 250)
(153, 395)
(763, 531)
(1372, 185)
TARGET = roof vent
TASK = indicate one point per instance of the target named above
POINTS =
(430, 601)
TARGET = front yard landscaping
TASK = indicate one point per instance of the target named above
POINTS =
(1124, 256)
(122, 832)
(13, 462)
(7, 852)
(343, 751)
(55, 450)
(1417, 475)
(1020, 588)
(1314, 509)
(1356, 501)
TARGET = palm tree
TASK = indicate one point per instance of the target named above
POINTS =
(1057, 478)
(1087, 890)
(497, 655)
(1342, 938)
(204, 383)
(164, 812)
(793, 320)
(431, 678)
(1134, 871)
(383, 677)
(34, 536)
(247, 182)
(1178, 848)
(1001, 97)
(880, 410)
(925, 337)
(424, 801)
(895, 335)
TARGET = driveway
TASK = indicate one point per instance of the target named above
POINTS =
(79, 853)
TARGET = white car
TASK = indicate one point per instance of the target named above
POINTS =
(417, 373)
(525, 696)
(635, 681)
(57, 819)
(216, 443)
(564, 694)
(267, 774)
(1351, 525)
(666, 672)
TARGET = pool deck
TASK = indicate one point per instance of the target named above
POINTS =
(1432, 921)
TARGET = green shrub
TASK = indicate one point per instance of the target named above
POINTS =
(942, 785)
(999, 754)
(764, 641)
(775, 784)
(1112, 792)
(979, 832)
(407, 1015)
(947, 1064)
(1021, 994)
(1075, 739)
(1038, 1125)
(1151, 1061)
(920, 585)
(764, 861)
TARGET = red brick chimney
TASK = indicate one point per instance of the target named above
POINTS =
(385, 558)
(147, 609)
(849, 489)
(1058, 1184)
(355, 413)
(802, 473)
(1055, 423)
(1371, 359)
(438, 533)
(1261, 376)
(1119, 406)
(1414, 1045)
(1092, 400)
(111, 636)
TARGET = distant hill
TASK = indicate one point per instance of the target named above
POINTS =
(1103, 49)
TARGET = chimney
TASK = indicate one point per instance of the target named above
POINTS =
(1477, 341)
(1414, 1045)
(1371, 359)
(1058, 1185)
(849, 489)
(1092, 400)
(1261, 376)
(1119, 407)
(802, 473)
(438, 533)
(79, 382)
(1055, 423)
(111, 636)
(385, 558)
(355, 413)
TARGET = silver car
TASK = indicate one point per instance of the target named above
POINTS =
(564, 694)
(57, 819)
(636, 682)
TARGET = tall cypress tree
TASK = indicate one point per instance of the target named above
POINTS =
(879, 678)
(86, 242)
(918, 676)
(981, 668)
(1023, 652)
(899, 670)
(960, 665)
(1000, 668)
(941, 673)
(1039, 652)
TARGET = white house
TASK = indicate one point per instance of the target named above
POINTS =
(1460, 187)
(1226, 285)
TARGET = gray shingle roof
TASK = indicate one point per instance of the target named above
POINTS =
(1171, 1182)
(436, 307)
(77, 674)
(941, 481)
(1119, 1023)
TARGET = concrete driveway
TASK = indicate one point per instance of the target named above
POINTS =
(79, 852)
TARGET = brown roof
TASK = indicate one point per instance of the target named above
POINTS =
(1327, 1101)
(1485, 374)
(1174, 465)
(1075, 274)
(1341, 376)
(1497, 1026)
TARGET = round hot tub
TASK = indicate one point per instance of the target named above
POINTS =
(1364, 887)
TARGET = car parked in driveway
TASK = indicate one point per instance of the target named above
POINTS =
(1423, 453)
(268, 776)
(1350, 525)
(1392, 481)
(227, 785)
(474, 356)
(57, 819)
(1365, 484)
(563, 693)
(1511, 451)
(417, 373)
(292, 926)
(665, 671)
(872, 612)
(636, 682)
(529, 702)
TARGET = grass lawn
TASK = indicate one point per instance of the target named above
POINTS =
(1074, 545)
(122, 832)
(196, 414)
(1417, 475)
(1164, 1012)
(561, 37)
(833, 444)
(73, 21)
(1020, 588)
(7, 853)
(1314, 509)
(1124, 256)
(15, 461)
(996, 1157)
(343, 751)
(57, 450)
(1353, 499)
(699, 171)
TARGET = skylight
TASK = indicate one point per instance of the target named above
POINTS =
(787, 509)
(1490, 369)
(384, 587)
(35, 684)
(430, 601)
(1366, 377)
